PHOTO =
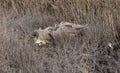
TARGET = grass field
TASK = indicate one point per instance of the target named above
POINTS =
(89, 53)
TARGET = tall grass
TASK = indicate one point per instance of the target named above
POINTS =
(85, 54)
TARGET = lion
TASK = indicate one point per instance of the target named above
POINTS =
(63, 30)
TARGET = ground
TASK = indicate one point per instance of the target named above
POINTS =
(85, 54)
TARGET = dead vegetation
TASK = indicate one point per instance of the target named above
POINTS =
(86, 54)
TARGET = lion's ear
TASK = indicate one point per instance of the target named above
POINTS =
(35, 34)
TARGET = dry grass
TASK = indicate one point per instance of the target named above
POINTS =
(87, 54)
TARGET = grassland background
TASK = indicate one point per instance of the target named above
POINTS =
(18, 18)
